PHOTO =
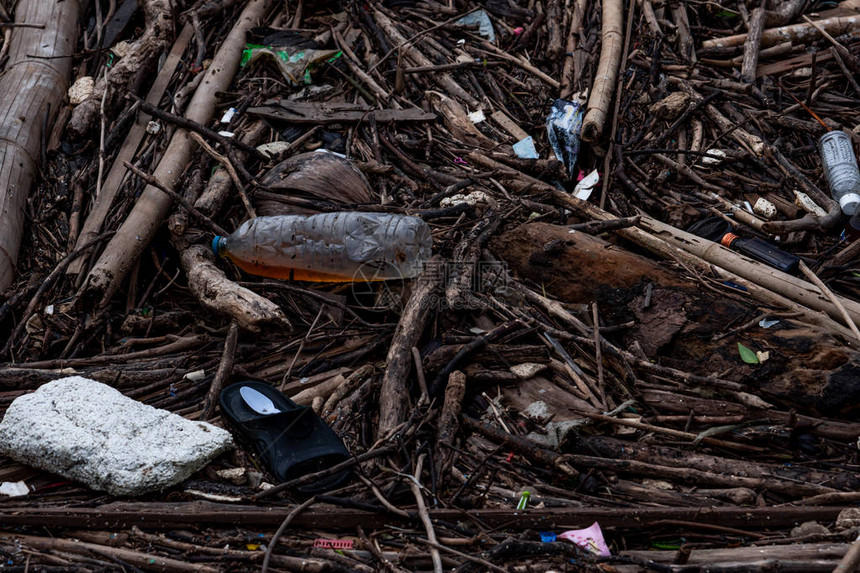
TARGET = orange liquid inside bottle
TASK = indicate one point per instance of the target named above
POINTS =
(297, 274)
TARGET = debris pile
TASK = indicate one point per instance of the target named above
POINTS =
(631, 347)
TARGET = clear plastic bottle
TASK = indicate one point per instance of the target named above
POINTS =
(840, 166)
(330, 247)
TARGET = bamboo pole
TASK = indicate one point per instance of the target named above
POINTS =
(32, 86)
(153, 206)
(600, 99)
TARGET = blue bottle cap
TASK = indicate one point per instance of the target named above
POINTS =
(216, 245)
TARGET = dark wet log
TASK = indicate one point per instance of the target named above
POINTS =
(168, 515)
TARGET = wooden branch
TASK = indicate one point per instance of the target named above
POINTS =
(600, 98)
(781, 283)
(751, 44)
(447, 426)
(415, 486)
(394, 393)
(797, 33)
(151, 180)
(225, 369)
(129, 556)
(682, 23)
(807, 272)
(142, 56)
(851, 560)
(215, 291)
(34, 79)
(444, 79)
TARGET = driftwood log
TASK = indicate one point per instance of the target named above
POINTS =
(33, 84)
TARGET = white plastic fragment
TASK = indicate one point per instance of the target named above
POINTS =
(49, 309)
(525, 148)
(228, 115)
(803, 201)
(583, 188)
(762, 355)
(765, 323)
(153, 127)
(81, 90)
(196, 375)
(226, 134)
(764, 208)
(481, 19)
(14, 488)
(274, 148)
(471, 199)
(713, 157)
(477, 116)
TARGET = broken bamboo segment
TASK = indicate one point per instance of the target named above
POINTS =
(795, 33)
(153, 205)
(32, 86)
(607, 71)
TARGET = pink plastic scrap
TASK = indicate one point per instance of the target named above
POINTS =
(590, 539)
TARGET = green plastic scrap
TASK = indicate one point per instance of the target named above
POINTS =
(296, 64)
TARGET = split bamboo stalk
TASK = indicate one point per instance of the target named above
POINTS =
(154, 205)
(794, 33)
(600, 99)
(32, 86)
(567, 71)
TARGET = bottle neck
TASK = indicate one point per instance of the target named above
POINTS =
(728, 239)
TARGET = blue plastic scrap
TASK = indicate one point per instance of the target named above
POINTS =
(525, 148)
(482, 20)
(547, 536)
(563, 126)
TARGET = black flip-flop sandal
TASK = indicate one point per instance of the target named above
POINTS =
(290, 440)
